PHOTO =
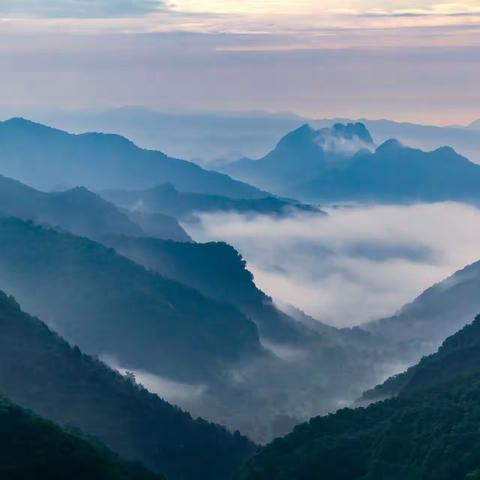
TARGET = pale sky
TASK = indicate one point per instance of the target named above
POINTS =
(411, 60)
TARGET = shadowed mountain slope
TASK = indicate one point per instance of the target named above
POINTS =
(218, 271)
(40, 371)
(35, 448)
(428, 432)
(111, 306)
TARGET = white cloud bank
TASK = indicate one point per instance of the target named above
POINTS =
(357, 264)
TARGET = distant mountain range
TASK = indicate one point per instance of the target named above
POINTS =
(47, 158)
(221, 137)
(306, 165)
(428, 431)
(167, 200)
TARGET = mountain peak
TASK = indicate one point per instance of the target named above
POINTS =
(298, 136)
(351, 131)
(390, 145)
(25, 124)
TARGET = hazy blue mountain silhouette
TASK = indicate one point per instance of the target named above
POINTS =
(167, 200)
(397, 174)
(301, 155)
(48, 158)
(437, 313)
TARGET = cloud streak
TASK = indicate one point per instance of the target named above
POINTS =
(357, 264)
(80, 9)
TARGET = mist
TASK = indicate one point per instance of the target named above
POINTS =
(356, 264)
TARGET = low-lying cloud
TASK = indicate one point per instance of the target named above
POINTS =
(357, 263)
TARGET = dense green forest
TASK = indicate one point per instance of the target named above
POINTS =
(429, 431)
(40, 371)
(109, 305)
(32, 448)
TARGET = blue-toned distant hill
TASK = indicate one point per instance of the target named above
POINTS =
(397, 174)
(167, 200)
(438, 312)
(42, 372)
(341, 165)
(78, 210)
(47, 158)
(302, 155)
(82, 212)
(429, 431)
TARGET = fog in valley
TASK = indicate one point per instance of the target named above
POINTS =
(355, 264)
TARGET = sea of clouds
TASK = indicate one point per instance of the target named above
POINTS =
(356, 264)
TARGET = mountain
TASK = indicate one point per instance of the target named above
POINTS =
(428, 431)
(219, 272)
(396, 174)
(165, 199)
(110, 306)
(205, 353)
(78, 210)
(158, 225)
(42, 372)
(203, 137)
(464, 140)
(441, 310)
(458, 355)
(301, 155)
(47, 158)
(219, 138)
(35, 448)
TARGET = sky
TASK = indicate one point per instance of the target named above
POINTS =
(407, 60)
(355, 264)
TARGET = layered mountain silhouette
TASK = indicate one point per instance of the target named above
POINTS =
(42, 372)
(35, 448)
(397, 174)
(158, 225)
(82, 212)
(302, 155)
(429, 430)
(437, 313)
(48, 158)
(110, 306)
(167, 200)
(78, 210)
(341, 165)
